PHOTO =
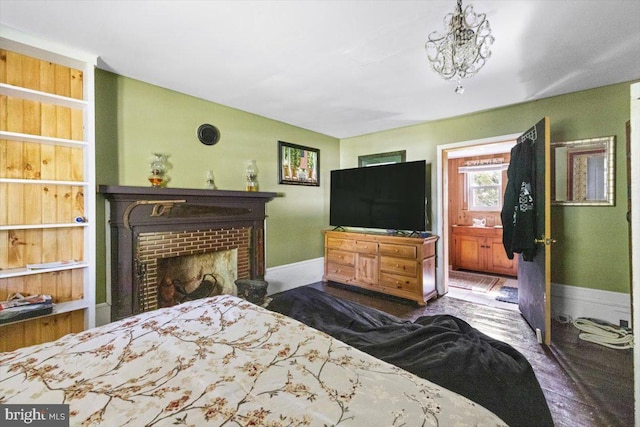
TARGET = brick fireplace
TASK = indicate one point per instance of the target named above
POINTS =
(169, 245)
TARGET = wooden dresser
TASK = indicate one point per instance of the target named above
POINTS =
(394, 265)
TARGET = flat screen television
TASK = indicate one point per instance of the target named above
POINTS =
(390, 197)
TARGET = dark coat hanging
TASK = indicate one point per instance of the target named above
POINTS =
(518, 213)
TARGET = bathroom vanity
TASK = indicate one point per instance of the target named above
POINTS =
(481, 249)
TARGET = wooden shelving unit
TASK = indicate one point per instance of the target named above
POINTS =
(47, 186)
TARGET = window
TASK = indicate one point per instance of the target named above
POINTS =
(484, 190)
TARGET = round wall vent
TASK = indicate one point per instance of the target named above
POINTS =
(208, 134)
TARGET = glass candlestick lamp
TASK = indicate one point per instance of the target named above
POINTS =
(209, 183)
(252, 176)
(158, 166)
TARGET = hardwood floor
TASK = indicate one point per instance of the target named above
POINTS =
(585, 384)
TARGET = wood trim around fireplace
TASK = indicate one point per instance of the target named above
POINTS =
(135, 210)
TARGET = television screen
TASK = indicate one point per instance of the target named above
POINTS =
(391, 197)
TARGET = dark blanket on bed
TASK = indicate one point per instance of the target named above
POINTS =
(441, 348)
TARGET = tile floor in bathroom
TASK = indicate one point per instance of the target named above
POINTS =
(486, 298)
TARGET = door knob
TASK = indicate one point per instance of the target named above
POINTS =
(545, 241)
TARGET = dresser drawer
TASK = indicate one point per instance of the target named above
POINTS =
(395, 265)
(398, 250)
(365, 247)
(340, 272)
(344, 244)
(341, 257)
(399, 266)
(405, 283)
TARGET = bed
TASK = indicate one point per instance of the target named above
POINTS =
(224, 361)
(441, 348)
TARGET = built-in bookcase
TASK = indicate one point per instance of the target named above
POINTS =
(47, 187)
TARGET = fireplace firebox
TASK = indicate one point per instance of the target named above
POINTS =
(155, 233)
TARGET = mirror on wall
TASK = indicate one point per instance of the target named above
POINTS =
(583, 172)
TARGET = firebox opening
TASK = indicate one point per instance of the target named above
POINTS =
(189, 277)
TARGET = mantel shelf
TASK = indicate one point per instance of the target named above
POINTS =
(123, 191)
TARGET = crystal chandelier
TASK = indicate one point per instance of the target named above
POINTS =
(463, 50)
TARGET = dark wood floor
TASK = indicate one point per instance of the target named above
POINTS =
(585, 384)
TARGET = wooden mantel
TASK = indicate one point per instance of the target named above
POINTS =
(136, 210)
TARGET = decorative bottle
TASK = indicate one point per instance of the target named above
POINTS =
(209, 183)
(158, 167)
(252, 176)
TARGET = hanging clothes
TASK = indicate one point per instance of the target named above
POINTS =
(518, 210)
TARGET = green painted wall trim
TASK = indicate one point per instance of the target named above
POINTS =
(592, 248)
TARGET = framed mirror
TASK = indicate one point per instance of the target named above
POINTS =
(583, 172)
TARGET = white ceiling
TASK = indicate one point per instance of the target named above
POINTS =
(342, 68)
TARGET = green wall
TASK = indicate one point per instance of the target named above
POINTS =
(135, 119)
(592, 248)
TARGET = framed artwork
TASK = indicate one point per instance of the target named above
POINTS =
(298, 165)
(382, 158)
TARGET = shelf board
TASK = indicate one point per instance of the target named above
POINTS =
(39, 96)
(44, 181)
(36, 226)
(59, 308)
(16, 272)
(38, 139)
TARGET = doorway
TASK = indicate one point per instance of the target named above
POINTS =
(457, 164)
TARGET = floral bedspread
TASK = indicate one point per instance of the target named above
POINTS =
(223, 361)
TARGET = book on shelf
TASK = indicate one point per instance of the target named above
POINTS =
(25, 307)
(21, 301)
(54, 264)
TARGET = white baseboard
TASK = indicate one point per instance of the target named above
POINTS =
(569, 301)
(103, 314)
(573, 302)
(289, 276)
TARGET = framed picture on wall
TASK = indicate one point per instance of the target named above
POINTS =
(298, 165)
(382, 158)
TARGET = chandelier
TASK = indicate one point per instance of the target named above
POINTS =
(463, 50)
